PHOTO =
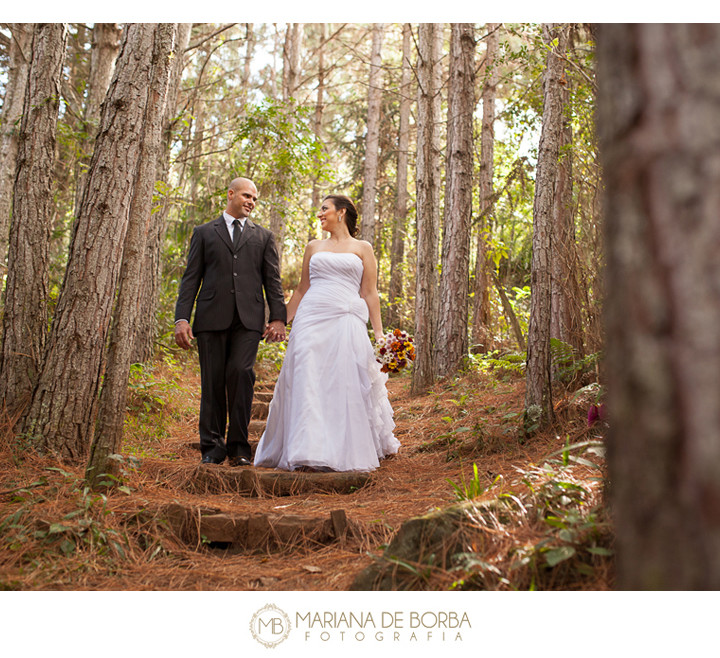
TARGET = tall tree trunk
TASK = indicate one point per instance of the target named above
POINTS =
(247, 66)
(318, 128)
(26, 293)
(64, 404)
(196, 142)
(566, 304)
(292, 48)
(104, 51)
(149, 300)
(538, 392)
(17, 76)
(113, 397)
(483, 266)
(281, 181)
(372, 139)
(659, 120)
(397, 251)
(274, 68)
(76, 73)
(427, 202)
(509, 313)
(452, 337)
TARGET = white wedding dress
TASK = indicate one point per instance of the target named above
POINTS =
(330, 410)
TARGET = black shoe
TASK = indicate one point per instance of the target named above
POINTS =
(240, 461)
(207, 459)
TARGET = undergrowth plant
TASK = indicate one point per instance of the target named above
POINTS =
(272, 353)
(154, 397)
(558, 512)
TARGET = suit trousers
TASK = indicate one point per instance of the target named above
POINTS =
(227, 379)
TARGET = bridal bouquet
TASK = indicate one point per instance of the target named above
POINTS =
(393, 350)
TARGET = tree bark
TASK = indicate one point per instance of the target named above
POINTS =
(397, 251)
(428, 176)
(452, 338)
(483, 266)
(509, 313)
(147, 326)
(566, 314)
(104, 51)
(318, 128)
(538, 393)
(113, 397)
(19, 63)
(659, 121)
(64, 404)
(26, 294)
(281, 181)
(247, 66)
(372, 139)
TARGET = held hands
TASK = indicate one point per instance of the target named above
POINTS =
(274, 332)
(183, 334)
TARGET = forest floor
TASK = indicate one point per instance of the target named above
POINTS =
(460, 441)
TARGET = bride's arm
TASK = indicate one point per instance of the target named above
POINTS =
(302, 286)
(368, 289)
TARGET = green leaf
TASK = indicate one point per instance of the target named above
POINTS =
(557, 555)
(585, 569)
(57, 528)
(565, 535)
(599, 550)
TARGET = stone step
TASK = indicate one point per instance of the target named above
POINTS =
(253, 532)
(253, 482)
(259, 410)
(263, 396)
(212, 478)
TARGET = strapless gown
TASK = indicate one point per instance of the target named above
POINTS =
(330, 410)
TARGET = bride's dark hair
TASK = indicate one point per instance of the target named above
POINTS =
(342, 202)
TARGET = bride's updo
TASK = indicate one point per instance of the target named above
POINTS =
(342, 202)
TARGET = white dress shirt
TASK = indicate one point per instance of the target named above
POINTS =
(229, 219)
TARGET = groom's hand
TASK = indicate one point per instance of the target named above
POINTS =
(274, 332)
(183, 334)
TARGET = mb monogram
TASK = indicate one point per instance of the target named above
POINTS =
(270, 625)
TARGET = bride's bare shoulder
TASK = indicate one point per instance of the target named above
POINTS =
(312, 246)
(364, 248)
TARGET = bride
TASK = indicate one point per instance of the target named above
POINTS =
(330, 410)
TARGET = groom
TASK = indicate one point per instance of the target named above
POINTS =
(231, 260)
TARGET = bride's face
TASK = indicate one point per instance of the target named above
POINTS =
(328, 215)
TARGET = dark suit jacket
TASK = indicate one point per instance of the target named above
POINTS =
(230, 278)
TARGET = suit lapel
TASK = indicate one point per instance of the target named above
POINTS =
(221, 230)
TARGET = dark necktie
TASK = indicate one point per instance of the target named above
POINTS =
(237, 231)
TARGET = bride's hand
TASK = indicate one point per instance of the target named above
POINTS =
(274, 332)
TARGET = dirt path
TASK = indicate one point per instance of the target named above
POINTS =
(173, 519)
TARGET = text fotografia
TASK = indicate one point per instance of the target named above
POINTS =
(386, 626)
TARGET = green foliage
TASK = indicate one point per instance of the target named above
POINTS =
(502, 364)
(83, 528)
(272, 353)
(566, 534)
(568, 365)
(150, 388)
(471, 488)
(531, 419)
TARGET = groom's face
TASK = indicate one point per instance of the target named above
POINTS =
(241, 199)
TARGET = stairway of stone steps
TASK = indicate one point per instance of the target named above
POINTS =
(235, 524)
